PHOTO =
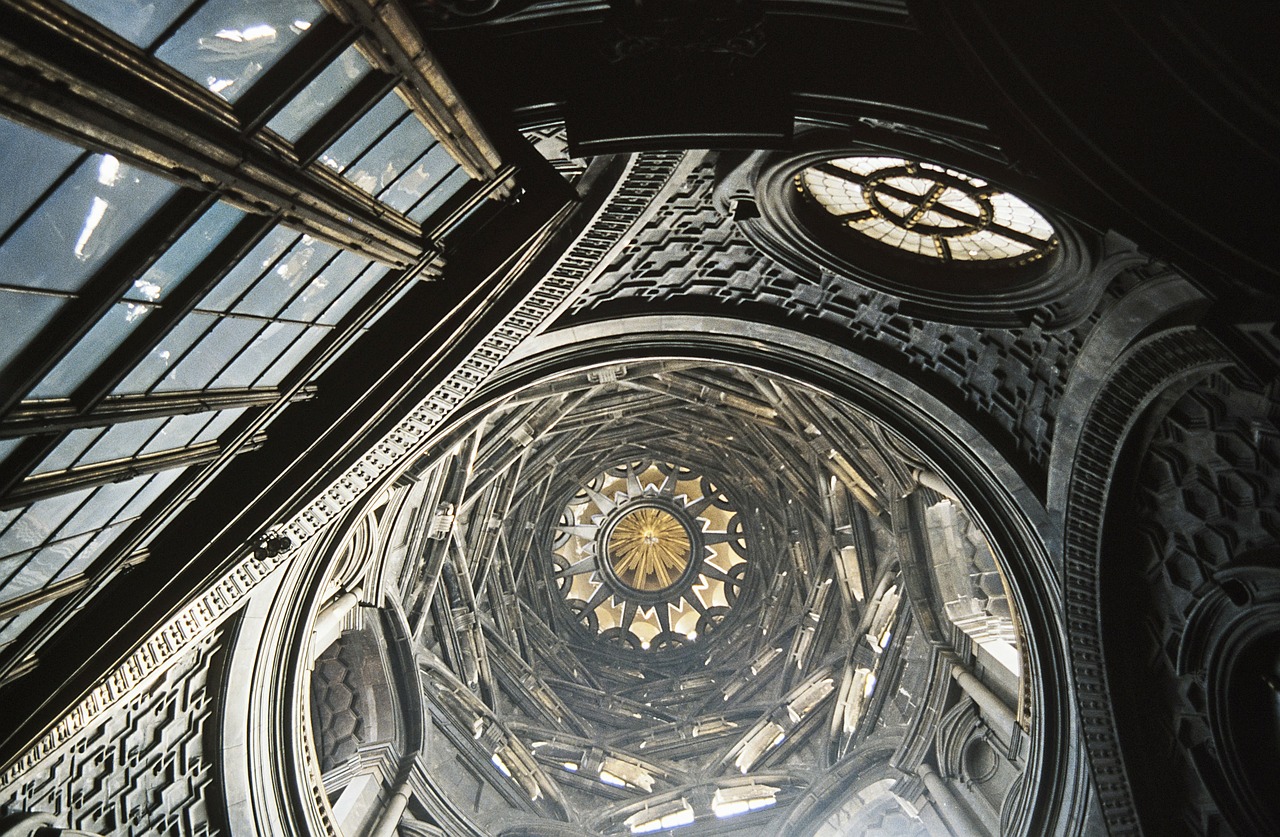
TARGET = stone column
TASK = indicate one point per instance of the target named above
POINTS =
(328, 624)
(997, 713)
(951, 809)
(390, 818)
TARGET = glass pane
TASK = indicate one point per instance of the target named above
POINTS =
(147, 495)
(81, 224)
(138, 21)
(265, 348)
(34, 571)
(354, 294)
(290, 359)
(379, 167)
(6, 448)
(41, 159)
(187, 252)
(39, 520)
(325, 288)
(166, 354)
(419, 179)
(364, 133)
(295, 270)
(247, 270)
(203, 363)
(9, 566)
(21, 318)
(121, 441)
(324, 91)
(19, 623)
(437, 197)
(102, 506)
(68, 450)
(91, 351)
(227, 43)
(90, 551)
(221, 421)
(177, 432)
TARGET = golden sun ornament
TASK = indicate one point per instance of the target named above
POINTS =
(648, 549)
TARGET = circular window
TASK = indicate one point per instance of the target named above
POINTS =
(953, 246)
(927, 210)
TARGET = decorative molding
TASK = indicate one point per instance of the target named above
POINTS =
(1145, 371)
(693, 255)
(645, 176)
(106, 775)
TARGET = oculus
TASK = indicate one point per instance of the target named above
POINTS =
(949, 245)
(927, 210)
(648, 549)
(649, 555)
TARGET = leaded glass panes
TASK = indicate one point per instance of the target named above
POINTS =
(82, 250)
(324, 91)
(291, 358)
(249, 269)
(928, 210)
(265, 347)
(161, 359)
(120, 441)
(205, 359)
(364, 133)
(15, 626)
(294, 270)
(89, 552)
(40, 520)
(435, 199)
(188, 251)
(176, 432)
(40, 158)
(58, 537)
(321, 291)
(67, 451)
(226, 44)
(424, 175)
(217, 425)
(383, 163)
(22, 316)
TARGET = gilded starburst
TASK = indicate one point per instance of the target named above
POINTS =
(649, 549)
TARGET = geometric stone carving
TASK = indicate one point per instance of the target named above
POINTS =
(969, 583)
(140, 768)
(690, 254)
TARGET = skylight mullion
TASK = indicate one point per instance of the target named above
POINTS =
(105, 473)
(93, 86)
(174, 309)
(120, 408)
(96, 298)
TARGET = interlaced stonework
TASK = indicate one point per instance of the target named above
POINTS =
(146, 768)
(1208, 517)
(691, 254)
